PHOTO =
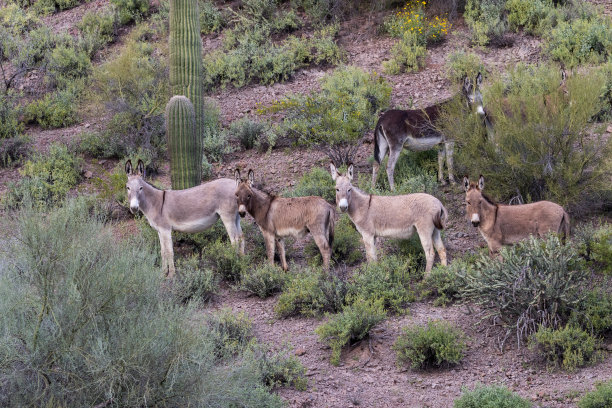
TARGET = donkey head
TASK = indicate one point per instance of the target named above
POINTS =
(473, 95)
(344, 187)
(134, 184)
(473, 199)
(244, 192)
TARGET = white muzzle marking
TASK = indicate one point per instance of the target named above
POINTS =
(475, 218)
(343, 204)
(241, 208)
(134, 204)
(480, 110)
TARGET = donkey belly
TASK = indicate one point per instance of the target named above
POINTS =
(291, 231)
(195, 224)
(400, 232)
(422, 143)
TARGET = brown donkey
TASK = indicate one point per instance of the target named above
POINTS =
(507, 224)
(279, 217)
(392, 216)
(415, 130)
(191, 210)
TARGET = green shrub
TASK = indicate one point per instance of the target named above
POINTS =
(492, 396)
(387, 281)
(536, 124)
(438, 344)
(10, 126)
(47, 178)
(412, 19)
(461, 64)
(311, 292)
(346, 248)
(317, 182)
(531, 15)
(594, 313)
(279, 370)
(407, 56)
(214, 143)
(55, 110)
(67, 64)
(16, 19)
(13, 150)
(212, 20)
(98, 29)
(263, 280)
(600, 249)
(131, 10)
(486, 20)
(193, 282)
(352, 324)
(345, 108)
(580, 41)
(446, 282)
(600, 398)
(90, 324)
(537, 283)
(225, 260)
(567, 348)
(232, 333)
(248, 132)
(415, 172)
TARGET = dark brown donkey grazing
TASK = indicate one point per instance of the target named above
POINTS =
(507, 224)
(415, 130)
(279, 217)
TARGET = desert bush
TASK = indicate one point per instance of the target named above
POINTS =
(90, 324)
(461, 64)
(594, 243)
(131, 10)
(536, 126)
(16, 19)
(439, 344)
(415, 172)
(406, 56)
(225, 259)
(46, 179)
(232, 332)
(537, 283)
(581, 40)
(530, 15)
(279, 369)
(412, 19)
(98, 29)
(345, 108)
(13, 150)
(492, 396)
(54, 110)
(67, 64)
(317, 182)
(486, 20)
(311, 292)
(264, 280)
(352, 324)
(446, 282)
(215, 139)
(10, 126)
(193, 282)
(346, 248)
(247, 131)
(387, 281)
(35, 48)
(594, 313)
(568, 347)
(601, 397)
(211, 18)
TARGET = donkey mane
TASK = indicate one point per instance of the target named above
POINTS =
(488, 199)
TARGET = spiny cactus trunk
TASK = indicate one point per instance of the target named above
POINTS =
(185, 79)
(185, 166)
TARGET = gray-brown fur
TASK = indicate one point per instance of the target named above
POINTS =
(392, 216)
(192, 210)
(507, 224)
(279, 217)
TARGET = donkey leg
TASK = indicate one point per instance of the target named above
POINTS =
(439, 245)
(441, 154)
(270, 243)
(280, 245)
(324, 248)
(393, 156)
(167, 252)
(450, 150)
(229, 221)
(240, 234)
(370, 246)
(378, 156)
(425, 235)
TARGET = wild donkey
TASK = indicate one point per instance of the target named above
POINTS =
(415, 130)
(279, 217)
(507, 224)
(192, 210)
(392, 216)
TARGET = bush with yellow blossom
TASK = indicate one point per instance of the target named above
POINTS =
(412, 19)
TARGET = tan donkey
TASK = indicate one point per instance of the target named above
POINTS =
(507, 224)
(191, 210)
(279, 217)
(392, 216)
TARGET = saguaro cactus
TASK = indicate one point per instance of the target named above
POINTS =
(185, 79)
(185, 166)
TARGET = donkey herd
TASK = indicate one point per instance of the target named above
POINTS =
(198, 208)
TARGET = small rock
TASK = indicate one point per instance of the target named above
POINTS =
(87, 125)
(88, 174)
(300, 351)
(101, 161)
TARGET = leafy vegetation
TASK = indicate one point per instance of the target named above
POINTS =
(225, 259)
(437, 345)
(594, 313)
(263, 280)
(55, 110)
(600, 398)
(412, 19)
(446, 282)
(492, 396)
(463, 64)
(568, 347)
(194, 283)
(407, 55)
(346, 248)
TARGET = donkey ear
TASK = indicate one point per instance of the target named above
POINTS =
(481, 182)
(251, 177)
(349, 172)
(478, 79)
(140, 168)
(467, 83)
(128, 167)
(333, 171)
(466, 183)
(237, 176)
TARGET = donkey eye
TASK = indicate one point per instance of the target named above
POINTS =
(127, 188)
(338, 189)
(349, 190)
(140, 189)
(248, 197)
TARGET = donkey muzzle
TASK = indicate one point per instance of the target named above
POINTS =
(242, 210)
(475, 223)
(343, 205)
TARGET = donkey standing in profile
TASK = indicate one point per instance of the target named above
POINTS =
(279, 217)
(392, 216)
(415, 130)
(191, 210)
(507, 224)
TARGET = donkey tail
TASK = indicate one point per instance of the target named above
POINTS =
(440, 218)
(330, 225)
(377, 134)
(564, 227)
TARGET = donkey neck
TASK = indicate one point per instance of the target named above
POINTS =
(260, 205)
(153, 200)
(488, 216)
(359, 205)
